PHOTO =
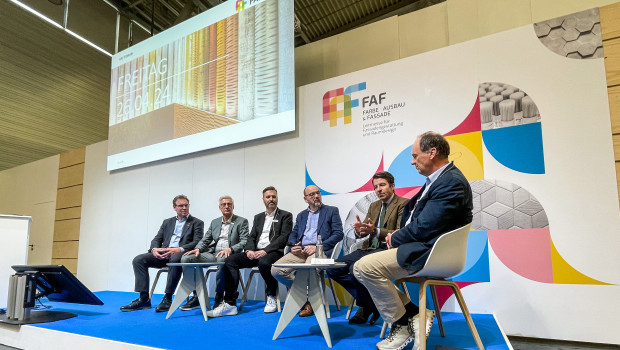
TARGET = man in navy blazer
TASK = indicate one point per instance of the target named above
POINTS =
(443, 204)
(317, 219)
(176, 235)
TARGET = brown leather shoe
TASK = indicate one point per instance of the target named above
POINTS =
(306, 310)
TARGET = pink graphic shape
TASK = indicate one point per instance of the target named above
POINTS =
(470, 124)
(368, 186)
(407, 192)
(527, 252)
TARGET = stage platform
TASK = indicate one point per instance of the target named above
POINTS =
(106, 327)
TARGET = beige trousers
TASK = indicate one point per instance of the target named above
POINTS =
(377, 272)
(286, 276)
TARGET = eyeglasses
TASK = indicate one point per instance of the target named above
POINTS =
(226, 204)
(317, 193)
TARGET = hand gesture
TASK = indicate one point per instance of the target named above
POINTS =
(195, 252)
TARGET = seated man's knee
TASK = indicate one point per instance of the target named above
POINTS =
(138, 260)
(360, 269)
(189, 259)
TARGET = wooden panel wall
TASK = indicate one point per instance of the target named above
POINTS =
(68, 209)
(610, 31)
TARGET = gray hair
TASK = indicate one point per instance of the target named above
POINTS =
(226, 197)
(432, 139)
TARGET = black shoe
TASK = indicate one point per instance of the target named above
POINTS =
(137, 304)
(192, 304)
(164, 305)
(361, 316)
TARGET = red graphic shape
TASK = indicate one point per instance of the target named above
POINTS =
(470, 124)
(444, 292)
(368, 186)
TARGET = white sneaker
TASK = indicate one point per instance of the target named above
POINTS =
(399, 337)
(271, 305)
(415, 325)
(224, 309)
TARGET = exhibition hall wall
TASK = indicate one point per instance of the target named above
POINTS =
(122, 210)
(511, 105)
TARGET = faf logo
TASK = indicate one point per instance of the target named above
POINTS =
(333, 98)
(240, 5)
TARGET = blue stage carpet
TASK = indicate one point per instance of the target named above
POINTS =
(252, 327)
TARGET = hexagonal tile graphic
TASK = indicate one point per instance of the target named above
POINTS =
(576, 36)
(501, 205)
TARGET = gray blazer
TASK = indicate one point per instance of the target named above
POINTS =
(237, 237)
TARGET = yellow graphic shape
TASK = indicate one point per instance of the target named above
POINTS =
(563, 273)
(466, 152)
(334, 114)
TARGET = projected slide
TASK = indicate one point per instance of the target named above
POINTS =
(222, 77)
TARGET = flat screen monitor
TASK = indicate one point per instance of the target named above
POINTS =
(58, 284)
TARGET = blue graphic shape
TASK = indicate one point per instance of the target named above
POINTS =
(517, 147)
(405, 174)
(309, 182)
(355, 88)
(477, 262)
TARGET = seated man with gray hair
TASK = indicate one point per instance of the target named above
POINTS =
(226, 235)
(443, 204)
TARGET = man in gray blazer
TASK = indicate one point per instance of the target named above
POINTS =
(226, 235)
(176, 235)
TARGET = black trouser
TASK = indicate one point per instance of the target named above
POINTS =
(344, 276)
(240, 261)
(141, 264)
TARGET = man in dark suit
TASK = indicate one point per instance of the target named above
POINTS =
(318, 219)
(443, 204)
(226, 235)
(176, 236)
(266, 243)
(383, 217)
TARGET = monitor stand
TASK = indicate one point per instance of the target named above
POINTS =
(38, 317)
(22, 289)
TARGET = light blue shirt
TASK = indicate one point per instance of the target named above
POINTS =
(178, 231)
(433, 177)
(309, 237)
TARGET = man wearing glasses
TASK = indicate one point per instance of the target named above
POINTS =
(176, 235)
(226, 235)
(317, 219)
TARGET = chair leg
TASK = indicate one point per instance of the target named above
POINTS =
(403, 286)
(243, 285)
(278, 298)
(323, 296)
(350, 308)
(331, 285)
(383, 330)
(437, 310)
(159, 272)
(245, 288)
(470, 322)
(422, 316)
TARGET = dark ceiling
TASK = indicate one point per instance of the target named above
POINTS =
(54, 88)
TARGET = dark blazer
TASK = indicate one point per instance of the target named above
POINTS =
(192, 233)
(392, 219)
(237, 236)
(446, 206)
(278, 233)
(329, 227)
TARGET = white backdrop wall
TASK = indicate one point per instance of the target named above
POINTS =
(122, 211)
